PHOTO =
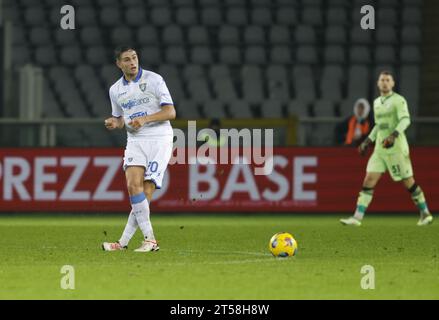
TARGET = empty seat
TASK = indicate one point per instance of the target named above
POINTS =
(359, 80)
(193, 71)
(410, 54)
(86, 16)
(173, 35)
(279, 35)
(228, 35)
(385, 54)
(331, 83)
(45, 56)
(305, 35)
(201, 55)
(150, 55)
(280, 55)
(176, 55)
(110, 16)
(35, 16)
(272, 109)
(411, 35)
(304, 83)
(261, 17)
(254, 35)
(199, 90)
(360, 36)
(335, 35)
(147, 35)
(312, 15)
(186, 16)
(237, 16)
(240, 109)
(255, 55)
(161, 16)
(387, 35)
(198, 35)
(135, 16)
(324, 108)
(110, 74)
(224, 89)
(18, 35)
(96, 55)
(121, 35)
(22, 55)
(287, 16)
(230, 55)
(214, 109)
(412, 15)
(387, 16)
(187, 109)
(91, 36)
(211, 17)
(40, 36)
(336, 16)
(307, 55)
(334, 54)
(278, 84)
(252, 87)
(298, 108)
(65, 37)
(71, 55)
(360, 54)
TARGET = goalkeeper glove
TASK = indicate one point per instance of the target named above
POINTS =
(390, 140)
(364, 146)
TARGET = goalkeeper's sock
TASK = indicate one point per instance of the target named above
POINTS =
(140, 207)
(364, 199)
(130, 230)
(419, 199)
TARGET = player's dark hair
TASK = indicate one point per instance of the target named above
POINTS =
(386, 73)
(121, 49)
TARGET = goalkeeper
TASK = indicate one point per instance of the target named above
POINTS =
(391, 152)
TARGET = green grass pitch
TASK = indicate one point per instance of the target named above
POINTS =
(218, 257)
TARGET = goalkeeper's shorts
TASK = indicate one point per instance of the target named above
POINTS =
(398, 165)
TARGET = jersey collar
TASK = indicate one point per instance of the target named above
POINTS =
(384, 98)
(139, 75)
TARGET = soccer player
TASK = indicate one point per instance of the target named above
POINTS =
(141, 103)
(391, 152)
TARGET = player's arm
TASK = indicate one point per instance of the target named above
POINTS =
(367, 143)
(166, 113)
(403, 116)
(116, 120)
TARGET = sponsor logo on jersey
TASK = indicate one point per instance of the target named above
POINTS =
(137, 114)
(122, 94)
(134, 103)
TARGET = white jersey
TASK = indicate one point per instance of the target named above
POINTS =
(146, 94)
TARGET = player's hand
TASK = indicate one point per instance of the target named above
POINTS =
(111, 123)
(364, 147)
(390, 140)
(138, 122)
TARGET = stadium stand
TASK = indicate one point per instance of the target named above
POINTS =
(228, 58)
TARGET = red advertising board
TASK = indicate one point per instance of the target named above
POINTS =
(302, 180)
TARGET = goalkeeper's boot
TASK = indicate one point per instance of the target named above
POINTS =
(351, 221)
(112, 246)
(425, 220)
(148, 246)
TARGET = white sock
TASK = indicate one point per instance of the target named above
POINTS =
(130, 230)
(358, 215)
(141, 212)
